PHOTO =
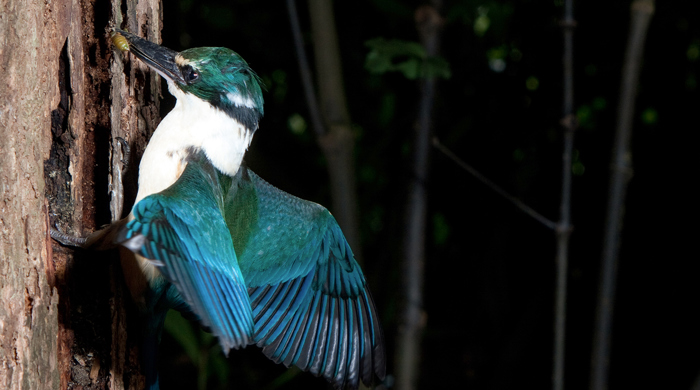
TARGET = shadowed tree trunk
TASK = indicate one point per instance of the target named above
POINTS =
(62, 312)
(620, 173)
(413, 318)
(337, 142)
(564, 227)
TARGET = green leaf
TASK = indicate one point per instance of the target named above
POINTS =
(181, 330)
(408, 58)
(410, 68)
(218, 364)
(437, 67)
(378, 63)
(482, 22)
(396, 47)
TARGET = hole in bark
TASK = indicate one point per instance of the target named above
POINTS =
(56, 176)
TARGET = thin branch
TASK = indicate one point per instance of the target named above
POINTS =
(621, 173)
(305, 71)
(493, 186)
(412, 321)
(563, 230)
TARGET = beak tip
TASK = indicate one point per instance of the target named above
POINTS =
(119, 40)
(159, 58)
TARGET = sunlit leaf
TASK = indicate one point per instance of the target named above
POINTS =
(482, 22)
(297, 124)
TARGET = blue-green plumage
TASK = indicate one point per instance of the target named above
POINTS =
(308, 297)
(254, 264)
(182, 230)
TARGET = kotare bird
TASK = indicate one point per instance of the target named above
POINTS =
(209, 237)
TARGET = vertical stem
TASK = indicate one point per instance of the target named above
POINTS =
(412, 323)
(563, 229)
(621, 172)
(305, 71)
(337, 143)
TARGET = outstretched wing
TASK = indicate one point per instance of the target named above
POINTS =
(310, 301)
(183, 232)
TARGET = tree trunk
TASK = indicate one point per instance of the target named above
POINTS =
(29, 55)
(62, 312)
(621, 171)
(564, 226)
(338, 142)
(413, 318)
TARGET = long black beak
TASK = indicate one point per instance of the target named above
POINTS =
(160, 58)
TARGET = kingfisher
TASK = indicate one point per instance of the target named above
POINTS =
(209, 237)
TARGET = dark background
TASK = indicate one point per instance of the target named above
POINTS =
(489, 278)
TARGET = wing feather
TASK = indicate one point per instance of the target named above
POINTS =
(310, 301)
(182, 231)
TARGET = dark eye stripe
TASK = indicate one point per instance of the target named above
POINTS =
(189, 74)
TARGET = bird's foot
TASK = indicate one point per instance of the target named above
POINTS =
(66, 239)
(126, 152)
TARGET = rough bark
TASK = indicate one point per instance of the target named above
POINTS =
(29, 56)
(62, 312)
(134, 114)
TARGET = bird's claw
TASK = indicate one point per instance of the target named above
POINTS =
(66, 239)
(126, 152)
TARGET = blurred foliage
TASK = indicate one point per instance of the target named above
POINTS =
(201, 348)
(693, 52)
(650, 116)
(409, 58)
(441, 230)
(588, 114)
(482, 16)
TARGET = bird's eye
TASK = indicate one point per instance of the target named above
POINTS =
(189, 74)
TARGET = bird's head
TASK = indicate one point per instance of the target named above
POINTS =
(216, 75)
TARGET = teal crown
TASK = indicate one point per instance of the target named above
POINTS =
(224, 79)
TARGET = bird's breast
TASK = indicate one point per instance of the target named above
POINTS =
(160, 168)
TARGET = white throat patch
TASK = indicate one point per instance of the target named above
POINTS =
(193, 123)
(240, 101)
